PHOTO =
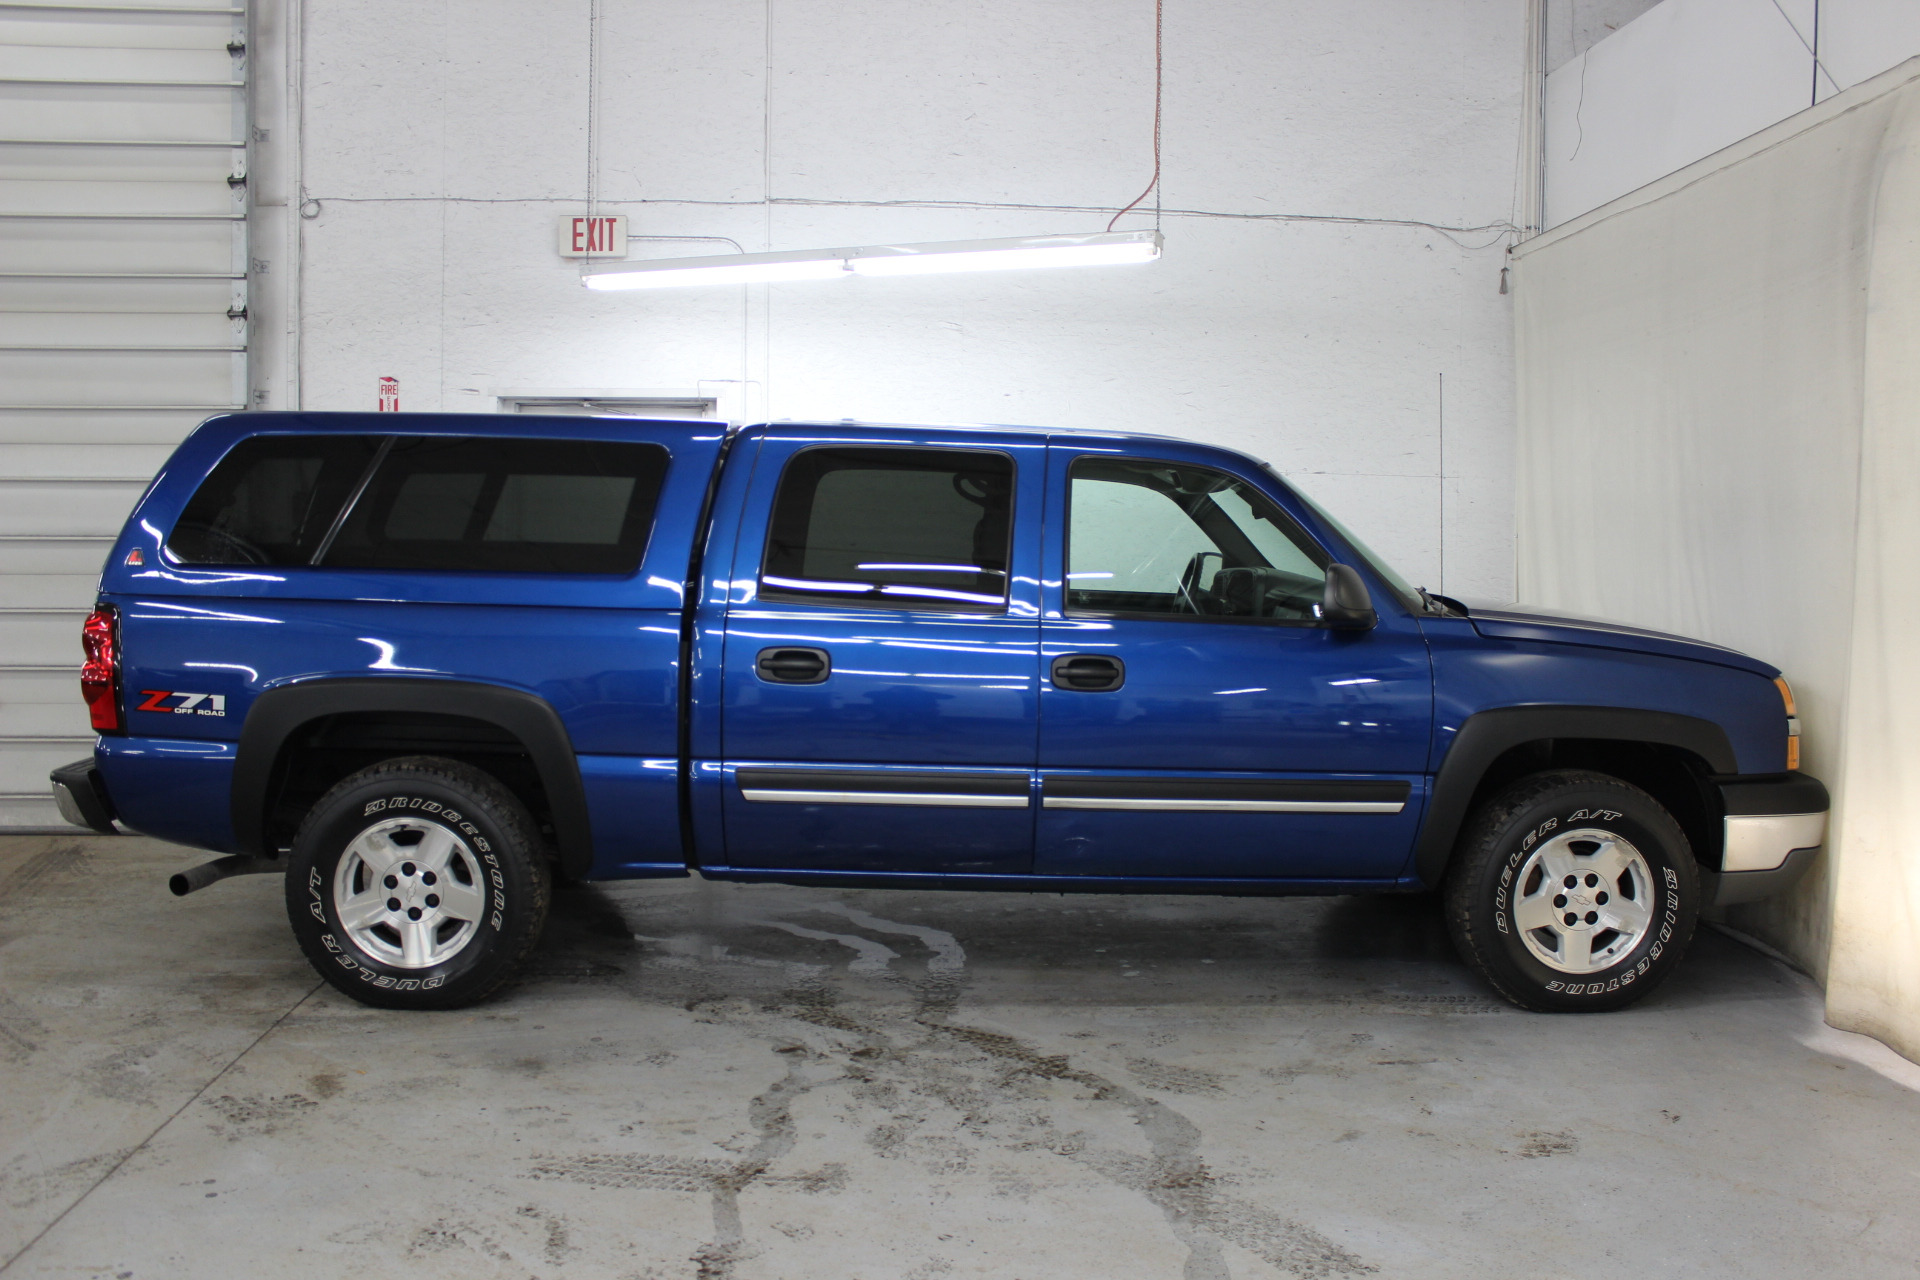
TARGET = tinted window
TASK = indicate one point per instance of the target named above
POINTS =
(892, 526)
(271, 500)
(479, 503)
(1159, 538)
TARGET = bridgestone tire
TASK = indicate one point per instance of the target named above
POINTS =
(1582, 823)
(458, 932)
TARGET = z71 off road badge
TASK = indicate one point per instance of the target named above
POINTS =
(190, 704)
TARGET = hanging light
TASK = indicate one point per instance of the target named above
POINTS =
(1105, 248)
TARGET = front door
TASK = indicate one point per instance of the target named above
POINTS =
(1197, 719)
(880, 705)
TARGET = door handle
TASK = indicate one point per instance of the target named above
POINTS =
(1088, 673)
(793, 666)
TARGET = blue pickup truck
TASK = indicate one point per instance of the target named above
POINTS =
(422, 664)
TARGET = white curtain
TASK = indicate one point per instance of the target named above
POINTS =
(1719, 400)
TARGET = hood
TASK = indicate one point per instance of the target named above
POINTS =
(1531, 622)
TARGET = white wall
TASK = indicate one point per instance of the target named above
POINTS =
(1719, 432)
(1692, 76)
(1575, 26)
(1861, 38)
(1297, 313)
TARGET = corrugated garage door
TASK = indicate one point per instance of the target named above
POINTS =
(123, 259)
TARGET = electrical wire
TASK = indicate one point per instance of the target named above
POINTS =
(1159, 63)
(593, 107)
(1524, 211)
(593, 112)
(1503, 227)
(766, 118)
(762, 295)
(737, 246)
(1451, 232)
(1818, 65)
(1580, 123)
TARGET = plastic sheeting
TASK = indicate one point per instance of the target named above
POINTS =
(1719, 399)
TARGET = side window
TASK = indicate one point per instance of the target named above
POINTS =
(271, 500)
(1167, 539)
(898, 527)
(493, 505)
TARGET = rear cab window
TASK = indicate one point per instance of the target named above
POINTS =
(493, 505)
(272, 500)
(476, 504)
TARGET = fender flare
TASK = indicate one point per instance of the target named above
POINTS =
(1487, 735)
(279, 713)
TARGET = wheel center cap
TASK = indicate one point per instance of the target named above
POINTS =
(412, 895)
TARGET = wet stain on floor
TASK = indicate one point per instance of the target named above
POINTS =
(717, 1082)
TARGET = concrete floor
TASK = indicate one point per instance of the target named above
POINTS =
(762, 1083)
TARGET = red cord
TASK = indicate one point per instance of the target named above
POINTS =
(1159, 7)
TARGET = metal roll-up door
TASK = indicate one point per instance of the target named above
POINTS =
(123, 299)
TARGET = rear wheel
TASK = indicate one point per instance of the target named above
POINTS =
(418, 883)
(1572, 891)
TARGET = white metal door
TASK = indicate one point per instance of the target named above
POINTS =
(123, 296)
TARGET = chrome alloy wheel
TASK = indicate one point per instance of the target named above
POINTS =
(1583, 900)
(409, 893)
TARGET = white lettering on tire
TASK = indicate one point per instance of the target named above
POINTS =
(1669, 924)
(497, 919)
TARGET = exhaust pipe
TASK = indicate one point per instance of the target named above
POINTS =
(219, 869)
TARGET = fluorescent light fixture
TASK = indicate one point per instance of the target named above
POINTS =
(1105, 248)
(757, 268)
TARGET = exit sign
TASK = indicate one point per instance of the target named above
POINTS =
(600, 236)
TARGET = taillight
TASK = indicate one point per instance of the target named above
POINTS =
(100, 673)
(1793, 723)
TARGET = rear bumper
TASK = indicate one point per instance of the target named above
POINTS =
(82, 797)
(1774, 827)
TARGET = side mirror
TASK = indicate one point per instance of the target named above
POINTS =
(1347, 606)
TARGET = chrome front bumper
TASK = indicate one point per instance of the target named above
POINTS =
(1773, 829)
(1762, 841)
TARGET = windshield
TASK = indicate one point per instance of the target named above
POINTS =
(1410, 596)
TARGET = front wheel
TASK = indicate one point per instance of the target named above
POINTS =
(1572, 891)
(418, 883)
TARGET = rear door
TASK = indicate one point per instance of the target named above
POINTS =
(880, 687)
(1197, 720)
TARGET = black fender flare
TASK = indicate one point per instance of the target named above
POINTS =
(1487, 735)
(280, 712)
